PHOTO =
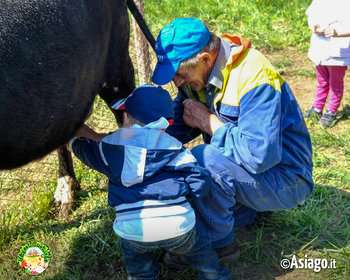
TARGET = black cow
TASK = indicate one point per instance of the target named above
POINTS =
(55, 56)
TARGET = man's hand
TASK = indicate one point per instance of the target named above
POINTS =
(198, 115)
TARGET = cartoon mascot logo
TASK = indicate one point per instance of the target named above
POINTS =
(34, 257)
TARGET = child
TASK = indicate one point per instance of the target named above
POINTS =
(330, 51)
(151, 177)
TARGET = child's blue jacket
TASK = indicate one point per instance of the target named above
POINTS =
(150, 175)
(143, 164)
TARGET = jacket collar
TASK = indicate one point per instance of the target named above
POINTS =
(231, 48)
(242, 44)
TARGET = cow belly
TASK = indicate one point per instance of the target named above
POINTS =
(55, 56)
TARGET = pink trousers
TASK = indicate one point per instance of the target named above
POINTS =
(330, 79)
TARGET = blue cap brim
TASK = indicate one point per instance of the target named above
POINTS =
(164, 73)
(118, 104)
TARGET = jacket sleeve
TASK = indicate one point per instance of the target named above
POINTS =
(255, 141)
(88, 152)
(196, 177)
(199, 181)
(179, 129)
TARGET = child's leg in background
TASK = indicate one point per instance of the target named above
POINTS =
(336, 84)
(322, 89)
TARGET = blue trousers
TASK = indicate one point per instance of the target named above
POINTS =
(141, 263)
(236, 195)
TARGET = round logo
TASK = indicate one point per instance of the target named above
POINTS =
(34, 258)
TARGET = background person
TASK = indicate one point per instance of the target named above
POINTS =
(330, 51)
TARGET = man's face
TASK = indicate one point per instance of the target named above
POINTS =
(196, 76)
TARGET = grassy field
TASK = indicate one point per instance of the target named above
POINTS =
(84, 246)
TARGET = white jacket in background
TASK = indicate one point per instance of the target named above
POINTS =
(334, 51)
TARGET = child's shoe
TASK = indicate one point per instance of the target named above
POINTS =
(308, 113)
(229, 253)
(327, 118)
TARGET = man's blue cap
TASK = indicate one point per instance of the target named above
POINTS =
(147, 104)
(181, 39)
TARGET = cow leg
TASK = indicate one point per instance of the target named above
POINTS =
(65, 195)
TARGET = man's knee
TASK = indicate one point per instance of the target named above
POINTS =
(206, 154)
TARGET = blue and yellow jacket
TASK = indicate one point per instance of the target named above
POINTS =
(264, 128)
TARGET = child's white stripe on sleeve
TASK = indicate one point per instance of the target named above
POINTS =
(134, 165)
(102, 154)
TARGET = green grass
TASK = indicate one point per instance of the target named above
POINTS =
(270, 24)
(25, 210)
(84, 246)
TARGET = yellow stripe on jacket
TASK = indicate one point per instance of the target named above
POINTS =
(250, 70)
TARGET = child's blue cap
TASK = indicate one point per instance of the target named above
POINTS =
(147, 104)
(181, 39)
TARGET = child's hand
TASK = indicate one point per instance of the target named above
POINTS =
(84, 131)
(89, 133)
(318, 29)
